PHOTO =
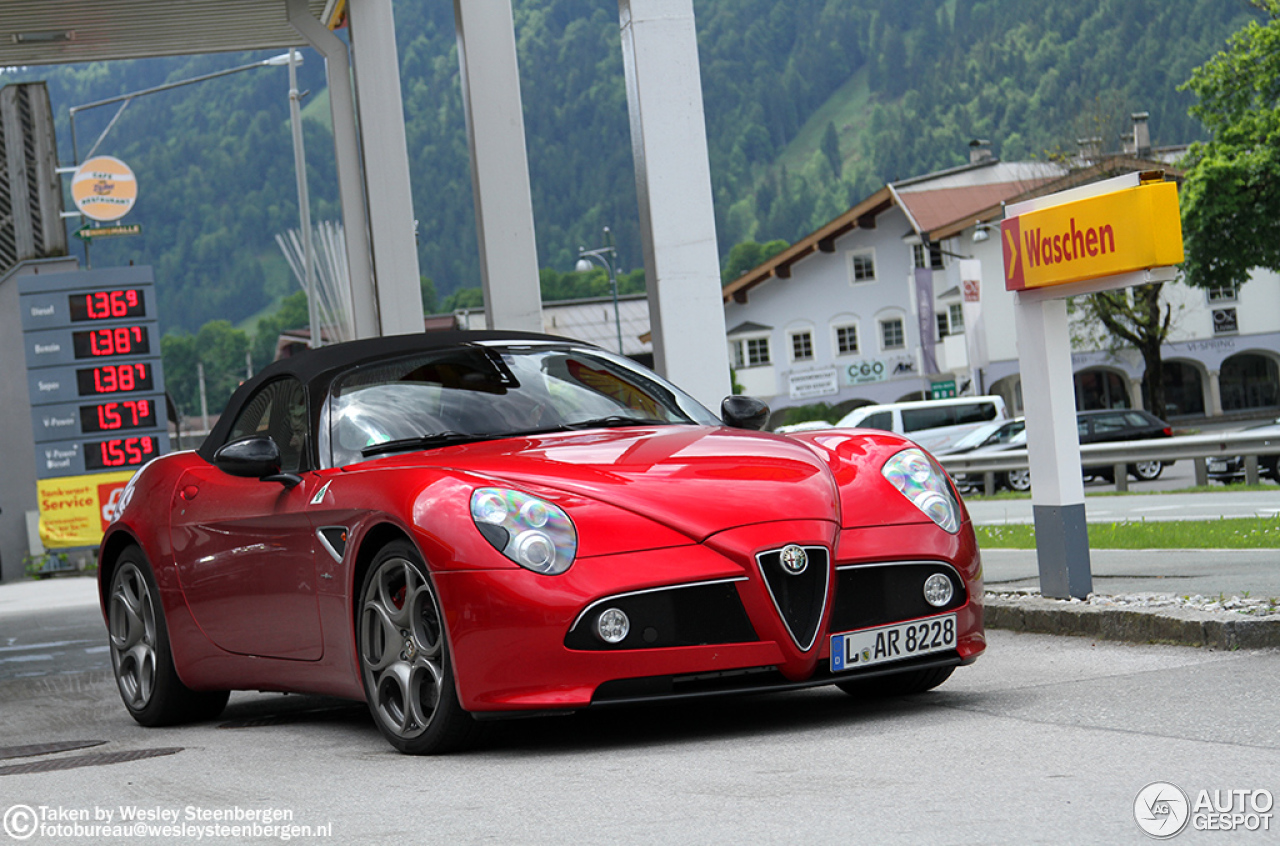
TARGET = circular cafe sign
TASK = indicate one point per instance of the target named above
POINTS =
(104, 188)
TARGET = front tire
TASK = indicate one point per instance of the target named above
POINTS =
(404, 657)
(1019, 480)
(141, 658)
(898, 684)
(1146, 471)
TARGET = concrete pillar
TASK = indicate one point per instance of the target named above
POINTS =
(673, 184)
(499, 164)
(1135, 393)
(386, 166)
(1215, 393)
(1053, 447)
(355, 224)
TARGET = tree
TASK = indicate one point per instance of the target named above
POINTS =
(1230, 205)
(1137, 317)
(292, 314)
(748, 254)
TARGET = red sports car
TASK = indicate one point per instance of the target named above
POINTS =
(463, 525)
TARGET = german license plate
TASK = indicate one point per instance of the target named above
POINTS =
(892, 643)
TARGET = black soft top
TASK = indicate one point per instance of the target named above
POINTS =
(317, 368)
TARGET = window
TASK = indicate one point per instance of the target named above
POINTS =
(893, 334)
(750, 352)
(929, 256)
(846, 340)
(862, 266)
(1223, 294)
(802, 345)
(882, 420)
(950, 320)
(278, 410)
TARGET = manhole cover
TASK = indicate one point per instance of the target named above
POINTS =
(34, 749)
(97, 759)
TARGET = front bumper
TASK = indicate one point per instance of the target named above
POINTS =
(705, 618)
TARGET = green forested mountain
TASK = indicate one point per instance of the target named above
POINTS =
(810, 105)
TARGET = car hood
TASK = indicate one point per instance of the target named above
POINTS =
(696, 480)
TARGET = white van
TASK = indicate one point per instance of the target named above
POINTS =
(933, 424)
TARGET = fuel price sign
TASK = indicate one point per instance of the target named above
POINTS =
(93, 370)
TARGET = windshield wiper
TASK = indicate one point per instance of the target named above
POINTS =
(436, 439)
(451, 438)
(615, 420)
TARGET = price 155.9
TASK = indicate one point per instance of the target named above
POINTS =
(120, 452)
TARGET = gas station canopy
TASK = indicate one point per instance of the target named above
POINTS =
(53, 32)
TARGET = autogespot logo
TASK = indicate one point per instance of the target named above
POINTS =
(1162, 810)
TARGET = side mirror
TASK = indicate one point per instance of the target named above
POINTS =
(744, 412)
(252, 457)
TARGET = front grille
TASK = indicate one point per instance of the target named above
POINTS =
(876, 594)
(799, 597)
(684, 615)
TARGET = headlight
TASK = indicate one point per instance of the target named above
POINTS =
(533, 533)
(921, 481)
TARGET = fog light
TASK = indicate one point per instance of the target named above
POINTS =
(938, 590)
(612, 626)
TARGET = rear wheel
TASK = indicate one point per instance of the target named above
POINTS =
(404, 657)
(898, 684)
(141, 658)
(1146, 471)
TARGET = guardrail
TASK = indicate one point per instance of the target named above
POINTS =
(1123, 453)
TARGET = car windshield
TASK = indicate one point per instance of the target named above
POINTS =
(977, 436)
(466, 394)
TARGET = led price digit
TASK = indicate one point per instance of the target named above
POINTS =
(124, 340)
(115, 379)
(119, 452)
(107, 305)
(109, 416)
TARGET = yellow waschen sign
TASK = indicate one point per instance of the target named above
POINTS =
(1126, 230)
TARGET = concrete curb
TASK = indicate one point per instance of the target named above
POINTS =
(1183, 627)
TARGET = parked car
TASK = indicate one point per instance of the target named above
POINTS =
(509, 524)
(1109, 425)
(1231, 468)
(933, 424)
(992, 434)
(1123, 424)
(993, 437)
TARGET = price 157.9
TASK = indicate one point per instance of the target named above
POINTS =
(110, 416)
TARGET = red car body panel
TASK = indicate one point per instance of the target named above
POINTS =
(253, 602)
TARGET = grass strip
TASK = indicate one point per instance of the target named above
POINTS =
(1233, 533)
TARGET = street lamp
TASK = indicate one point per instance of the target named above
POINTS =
(601, 256)
(126, 99)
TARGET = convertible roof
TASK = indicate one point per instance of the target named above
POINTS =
(314, 367)
(309, 364)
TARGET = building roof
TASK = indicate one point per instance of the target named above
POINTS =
(930, 202)
(53, 32)
(942, 204)
(1108, 166)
